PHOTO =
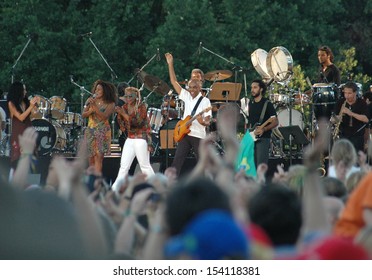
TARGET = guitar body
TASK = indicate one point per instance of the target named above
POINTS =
(182, 129)
(257, 125)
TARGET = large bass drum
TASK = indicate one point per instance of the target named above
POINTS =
(50, 137)
(258, 58)
(279, 64)
(283, 120)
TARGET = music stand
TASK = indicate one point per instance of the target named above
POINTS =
(225, 91)
(293, 135)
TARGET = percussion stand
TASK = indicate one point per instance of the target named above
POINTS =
(290, 125)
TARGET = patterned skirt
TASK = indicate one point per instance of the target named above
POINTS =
(98, 140)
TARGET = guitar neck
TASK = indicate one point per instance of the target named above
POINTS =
(269, 120)
(194, 118)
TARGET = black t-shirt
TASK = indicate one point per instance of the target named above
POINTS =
(255, 109)
(348, 128)
(331, 75)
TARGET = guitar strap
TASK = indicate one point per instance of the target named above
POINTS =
(263, 112)
(196, 106)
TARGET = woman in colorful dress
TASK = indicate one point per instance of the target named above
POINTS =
(98, 110)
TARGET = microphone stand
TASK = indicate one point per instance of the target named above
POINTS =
(82, 92)
(113, 74)
(143, 67)
(19, 57)
(236, 69)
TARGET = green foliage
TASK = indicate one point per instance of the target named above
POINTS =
(128, 34)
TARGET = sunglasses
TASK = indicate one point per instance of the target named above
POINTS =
(133, 95)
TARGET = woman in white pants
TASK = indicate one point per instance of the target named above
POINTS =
(132, 118)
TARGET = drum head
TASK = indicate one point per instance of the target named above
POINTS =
(47, 135)
(279, 64)
(258, 58)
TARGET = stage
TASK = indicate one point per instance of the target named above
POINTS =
(111, 165)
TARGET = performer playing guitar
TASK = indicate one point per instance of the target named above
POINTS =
(195, 105)
(183, 126)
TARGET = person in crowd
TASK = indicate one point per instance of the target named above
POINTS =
(262, 119)
(98, 110)
(358, 210)
(195, 106)
(334, 187)
(328, 72)
(351, 115)
(20, 108)
(343, 160)
(133, 116)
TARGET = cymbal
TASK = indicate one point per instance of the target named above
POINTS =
(153, 83)
(218, 75)
(140, 75)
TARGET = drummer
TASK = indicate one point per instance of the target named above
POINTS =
(328, 72)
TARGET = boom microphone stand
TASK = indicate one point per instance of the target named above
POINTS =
(20, 55)
(236, 69)
(113, 74)
(82, 92)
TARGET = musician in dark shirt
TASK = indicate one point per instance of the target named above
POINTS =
(262, 133)
(328, 72)
(354, 116)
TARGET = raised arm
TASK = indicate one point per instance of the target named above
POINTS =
(172, 73)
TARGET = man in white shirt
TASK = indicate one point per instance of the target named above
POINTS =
(191, 97)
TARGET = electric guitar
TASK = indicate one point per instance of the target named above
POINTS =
(183, 126)
(253, 129)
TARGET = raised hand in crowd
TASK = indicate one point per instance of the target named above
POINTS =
(314, 212)
(71, 187)
(125, 238)
(27, 142)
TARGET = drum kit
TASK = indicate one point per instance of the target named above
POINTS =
(56, 128)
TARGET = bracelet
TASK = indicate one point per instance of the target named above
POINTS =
(128, 213)
(157, 229)
(23, 155)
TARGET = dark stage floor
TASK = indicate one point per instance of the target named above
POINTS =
(111, 165)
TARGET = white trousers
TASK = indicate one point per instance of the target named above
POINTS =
(133, 148)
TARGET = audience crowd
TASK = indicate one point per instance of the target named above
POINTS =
(216, 212)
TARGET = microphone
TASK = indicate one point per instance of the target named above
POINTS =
(158, 55)
(33, 36)
(170, 92)
(71, 78)
(200, 48)
(86, 34)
